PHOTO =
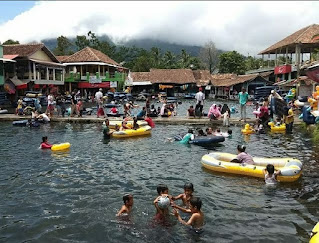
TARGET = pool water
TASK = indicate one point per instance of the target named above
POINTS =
(74, 196)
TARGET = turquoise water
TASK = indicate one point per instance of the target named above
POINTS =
(74, 196)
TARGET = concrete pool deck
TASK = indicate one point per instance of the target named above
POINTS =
(157, 120)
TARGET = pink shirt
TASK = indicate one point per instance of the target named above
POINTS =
(245, 158)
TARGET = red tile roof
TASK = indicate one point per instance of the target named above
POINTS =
(303, 36)
(26, 50)
(89, 54)
(229, 79)
(172, 76)
(61, 58)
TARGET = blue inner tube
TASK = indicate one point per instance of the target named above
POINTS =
(114, 115)
(207, 140)
(20, 123)
(111, 105)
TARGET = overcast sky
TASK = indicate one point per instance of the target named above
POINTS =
(247, 27)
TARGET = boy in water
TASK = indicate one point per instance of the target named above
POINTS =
(128, 204)
(271, 174)
(45, 144)
(197, 218)
(186, 196)
(161, 212)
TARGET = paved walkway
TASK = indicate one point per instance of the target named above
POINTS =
(157, 120)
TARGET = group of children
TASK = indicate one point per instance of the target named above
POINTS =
(190, 204)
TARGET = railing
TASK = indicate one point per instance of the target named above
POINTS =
(71, 77)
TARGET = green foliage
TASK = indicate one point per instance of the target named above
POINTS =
(81, 42)
(10, 42)
(63, 46)
(316, 134)
(232, 62)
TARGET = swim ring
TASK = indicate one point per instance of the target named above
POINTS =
(247, 130)
(274, 128)
(145, 130)
(61, 146)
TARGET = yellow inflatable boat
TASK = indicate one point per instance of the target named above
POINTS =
(247, 130)
(273, 128)
(129, 123)
(61, 146)
(314, 237)
(145, 130)
(290, 168)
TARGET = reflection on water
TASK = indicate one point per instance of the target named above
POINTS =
(74, 195)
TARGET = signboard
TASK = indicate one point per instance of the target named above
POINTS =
(113, 84)
(282, 69)
(87, 85)
(95, 79)
(313, 74)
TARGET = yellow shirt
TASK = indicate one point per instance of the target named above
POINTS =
(290, 118)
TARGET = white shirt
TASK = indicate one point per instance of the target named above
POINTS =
(200, 97)
(98, 96)
(50, 100)
(45, 117)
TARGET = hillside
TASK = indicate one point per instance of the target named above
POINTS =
(141, 43)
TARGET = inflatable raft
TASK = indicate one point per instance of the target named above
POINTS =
(290, 168)
(61, 146)
(145, 130)
(3, 111)
(129, 123)
(247, 130)
(314, 236)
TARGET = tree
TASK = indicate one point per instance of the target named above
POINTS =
(232, 62)
(81, 42)
(169, 60)
(63, 45)
(209, 56)
(10, 42)
(184, 61)
(156, 55)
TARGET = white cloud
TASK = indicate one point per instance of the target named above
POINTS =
(247, 27)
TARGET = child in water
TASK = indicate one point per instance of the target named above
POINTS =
(186, 196)
(161, 212)
(189, 136)
(45, 144)
(197, 218)
(128, 204)
(271, 174)
(243, 157)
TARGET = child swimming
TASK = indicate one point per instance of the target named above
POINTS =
(271, 174)
(186, 196)
(161, 204)
(45, 144)
(128, 204)
(197, 218)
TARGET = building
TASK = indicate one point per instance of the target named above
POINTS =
(139, 81)
(92, 69)
(228, 85)
(34, 67)
(291, 51)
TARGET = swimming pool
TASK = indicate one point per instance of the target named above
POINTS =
(74, 196)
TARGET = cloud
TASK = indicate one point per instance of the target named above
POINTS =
(247, 27)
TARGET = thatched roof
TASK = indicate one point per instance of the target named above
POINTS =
(305, 36)
(140, 76)
(230, 79)
(202, 77)
(89, 54)
(172, 76)
(26, 50)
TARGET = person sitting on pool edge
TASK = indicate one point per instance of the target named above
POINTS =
(191, 112)
(128, 204)
(243, 157)
(45, 144)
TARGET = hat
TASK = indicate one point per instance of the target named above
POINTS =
(100, 89)
(273, 91)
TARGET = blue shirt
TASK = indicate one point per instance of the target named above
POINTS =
(243, 97)
(141, 113)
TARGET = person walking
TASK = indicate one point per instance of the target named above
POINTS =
(243, 98)
(98, 97)
(200, 97)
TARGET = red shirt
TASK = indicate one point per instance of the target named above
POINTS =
(150, 122)
(114, 110)
(46, 145)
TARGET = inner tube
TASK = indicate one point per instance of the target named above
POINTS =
(3, 111)
(110, 114)
(207, 140)
(61, 146)
(22, 123)
(110, 105)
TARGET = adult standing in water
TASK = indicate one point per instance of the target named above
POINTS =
(243, 98)
(200, 97)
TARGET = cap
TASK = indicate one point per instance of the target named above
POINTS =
(100, 89)
(273, 91)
